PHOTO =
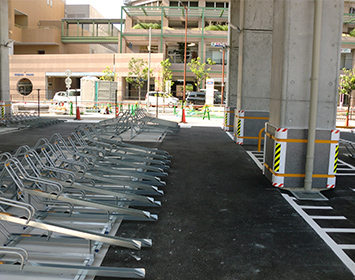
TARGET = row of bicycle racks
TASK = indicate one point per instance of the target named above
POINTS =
(61, 202)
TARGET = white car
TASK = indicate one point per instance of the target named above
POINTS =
(163, 99)
(62, 100)
(67, 96)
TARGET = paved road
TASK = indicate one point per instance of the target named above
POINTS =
(221, 219)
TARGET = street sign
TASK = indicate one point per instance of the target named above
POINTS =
(218, 45)
(209, 91)
(68, 82)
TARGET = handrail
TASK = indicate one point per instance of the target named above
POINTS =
(259, 138)
(345, 126)
(22, 253)
(25, 206)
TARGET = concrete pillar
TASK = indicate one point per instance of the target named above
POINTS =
(287, 131)
(254, 69)
(232, 66)
(4, 57)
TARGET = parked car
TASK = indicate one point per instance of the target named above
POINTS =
(62, 99)
(199, 97)
(196, 98)
(163, 99)
(67, 96)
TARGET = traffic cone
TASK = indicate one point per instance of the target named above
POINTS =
(183, 118)
(77, 114)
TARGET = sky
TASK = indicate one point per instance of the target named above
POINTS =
(108, 8)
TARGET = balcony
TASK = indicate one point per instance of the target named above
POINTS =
(49, 35)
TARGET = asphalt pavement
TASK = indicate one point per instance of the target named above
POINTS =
(221, 219)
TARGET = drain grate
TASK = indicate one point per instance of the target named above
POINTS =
(304, 195)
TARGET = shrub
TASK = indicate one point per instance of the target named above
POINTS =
(212, 28)
(143, 25)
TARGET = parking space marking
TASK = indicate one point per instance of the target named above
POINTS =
(316, 207)
(342, 230)
(256, 158)
(344, 168)
(338, 249)
(347, 246)
(328, 217)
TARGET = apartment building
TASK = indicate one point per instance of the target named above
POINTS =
(39, 56)
(207, 22)
(49, 37)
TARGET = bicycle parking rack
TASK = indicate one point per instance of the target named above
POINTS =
(26, 267)
(27, 120)
(72, 193)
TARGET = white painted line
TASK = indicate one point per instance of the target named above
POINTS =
(347, 246)
(316, 207)
(341, 230)
(258, 163)
(230, 135)
(185, 125)
(328, 217)
(329, 241)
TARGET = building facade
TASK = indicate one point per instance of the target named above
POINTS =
(207, 23)
(49, 37)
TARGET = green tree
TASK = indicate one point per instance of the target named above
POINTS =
(138, 74)
(346, 86)
(108, 75)
(200, 70)
(166, 74)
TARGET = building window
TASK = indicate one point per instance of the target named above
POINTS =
(41, 51)
(21, 19)
(176, 52)
(212, 4)
(346, 60)
(178, 24)
(215, 54)
(186, 3)
(352, 10)
(144, 49)
(24, 86)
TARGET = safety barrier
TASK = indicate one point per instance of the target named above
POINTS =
(280, 171)
(248, 125)
(228, 118)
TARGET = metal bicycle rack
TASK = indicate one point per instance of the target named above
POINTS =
(62, 201)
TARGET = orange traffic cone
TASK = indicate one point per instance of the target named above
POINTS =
(183, 119)
(77, 114)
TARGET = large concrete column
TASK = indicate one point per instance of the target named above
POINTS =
(4, 57)
(254, 69)
(232, 66)
(287, 131)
